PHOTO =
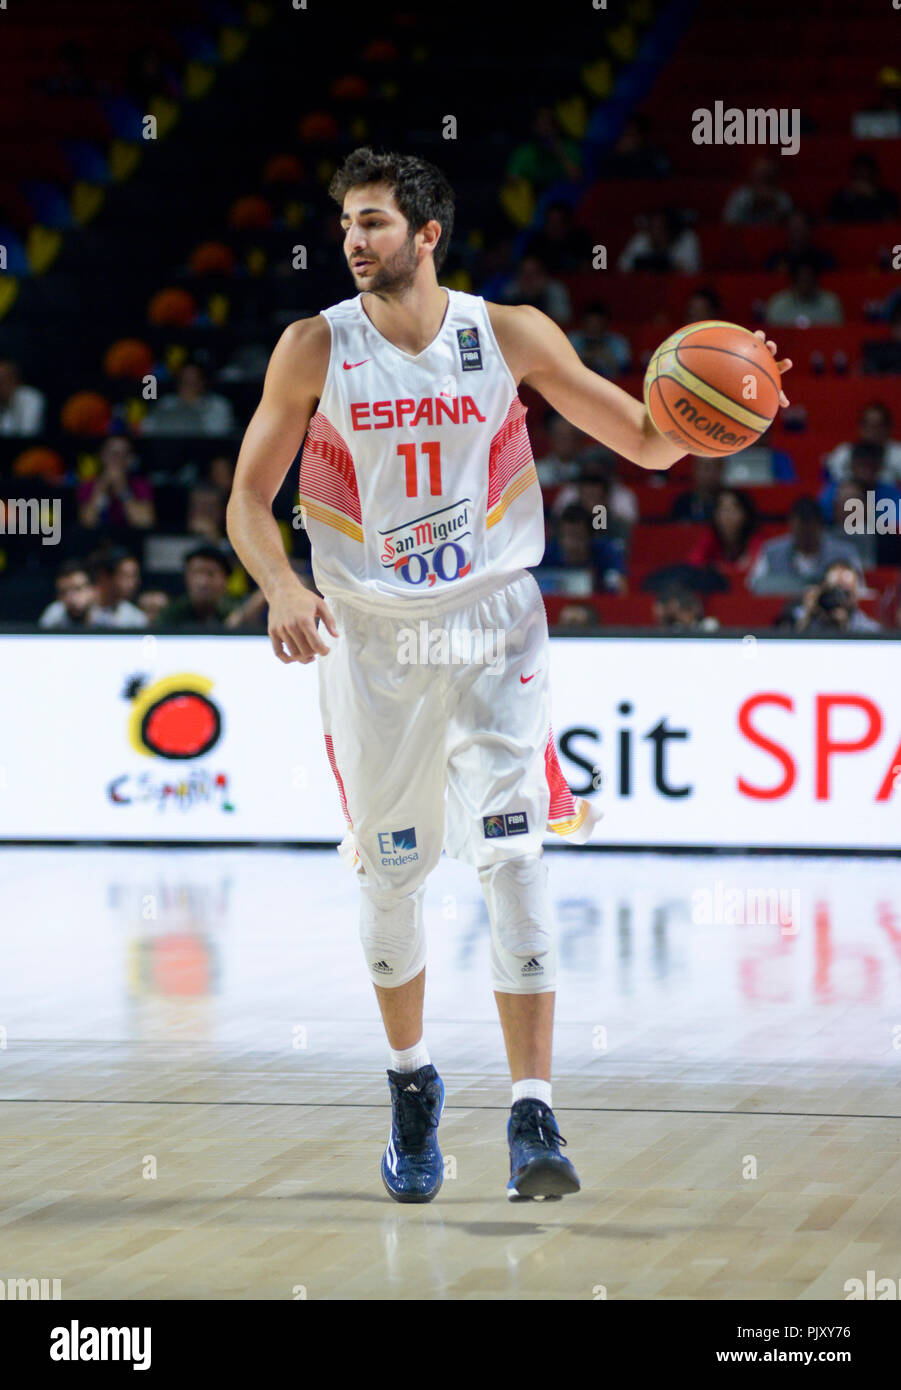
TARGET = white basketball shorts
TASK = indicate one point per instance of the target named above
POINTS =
(437, 728)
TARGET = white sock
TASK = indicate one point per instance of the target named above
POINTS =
(411, 1058)
(533, 1087)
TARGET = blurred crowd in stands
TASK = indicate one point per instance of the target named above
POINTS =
(145, 482)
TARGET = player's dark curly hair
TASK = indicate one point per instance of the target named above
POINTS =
(420, 189)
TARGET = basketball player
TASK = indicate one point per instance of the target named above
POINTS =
(423, 508)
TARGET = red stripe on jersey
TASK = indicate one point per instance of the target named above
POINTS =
(327, 471)
(562, 804)
(510, 452)
(334, 766)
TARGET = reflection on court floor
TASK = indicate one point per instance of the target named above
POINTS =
(193, 1097)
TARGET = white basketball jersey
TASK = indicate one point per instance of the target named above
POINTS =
(417, 477)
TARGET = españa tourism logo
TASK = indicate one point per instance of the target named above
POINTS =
(175, 719)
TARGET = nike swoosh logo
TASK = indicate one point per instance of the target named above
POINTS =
(525, 679)
(348, 365)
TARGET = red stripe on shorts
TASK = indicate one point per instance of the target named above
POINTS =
(562, 804)
(334, 766)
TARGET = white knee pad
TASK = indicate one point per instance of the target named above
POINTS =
(523, 946)
(392, 931)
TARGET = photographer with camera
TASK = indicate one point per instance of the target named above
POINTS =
(832, 605)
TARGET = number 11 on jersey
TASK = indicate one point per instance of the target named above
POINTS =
(432, 452)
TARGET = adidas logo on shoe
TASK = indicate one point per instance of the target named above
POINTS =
(532, 967)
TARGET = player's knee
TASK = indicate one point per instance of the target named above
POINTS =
(523, 958)
(392, 932)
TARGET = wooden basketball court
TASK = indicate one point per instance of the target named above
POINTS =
(194, 1099)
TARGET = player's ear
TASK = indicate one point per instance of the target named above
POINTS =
(431, 233)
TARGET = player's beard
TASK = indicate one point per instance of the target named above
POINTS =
(395, 276)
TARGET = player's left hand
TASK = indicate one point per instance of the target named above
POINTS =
(783, 366)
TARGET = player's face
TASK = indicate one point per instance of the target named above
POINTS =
(380, 252)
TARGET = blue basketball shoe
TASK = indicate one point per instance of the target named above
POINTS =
(537, 1167)
(412, 1167)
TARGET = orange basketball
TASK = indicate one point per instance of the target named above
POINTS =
(712, 388)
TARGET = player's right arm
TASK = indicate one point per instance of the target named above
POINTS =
(294, 382)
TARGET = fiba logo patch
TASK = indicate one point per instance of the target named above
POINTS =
(513, 823)
(470, 352)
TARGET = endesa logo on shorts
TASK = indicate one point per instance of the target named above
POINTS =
(397, 847)
(430, 547)
(513, 823)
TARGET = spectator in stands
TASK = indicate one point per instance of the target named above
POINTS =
(874, 426)
(703, 303)
(127, 578)
(760, 201)
(881, 119)
(152, 603)
(865, 468)
(562, 247)
(595, 491)
(71, 609)
(549, 157)
(662, 244)
(247, 362)
(569, 449)
(729, 545)
(799, 246)
(112, 575)
(883, 356)
(119, 497)
(760, 463)
(220, 473)
(22, 408)
(697, 503)
(804, 302)
(577, 615)
(633, 155)
(495, 259)
(623, 504)
(206, 518)
(206, 602)
(602, 350)
(192, 409)
(577, 545)
(206, 513)
(787, 564)
(832, 606)
(863, 198)
(250, 613)
(843, 493)
(678, 609)
(533, 285)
